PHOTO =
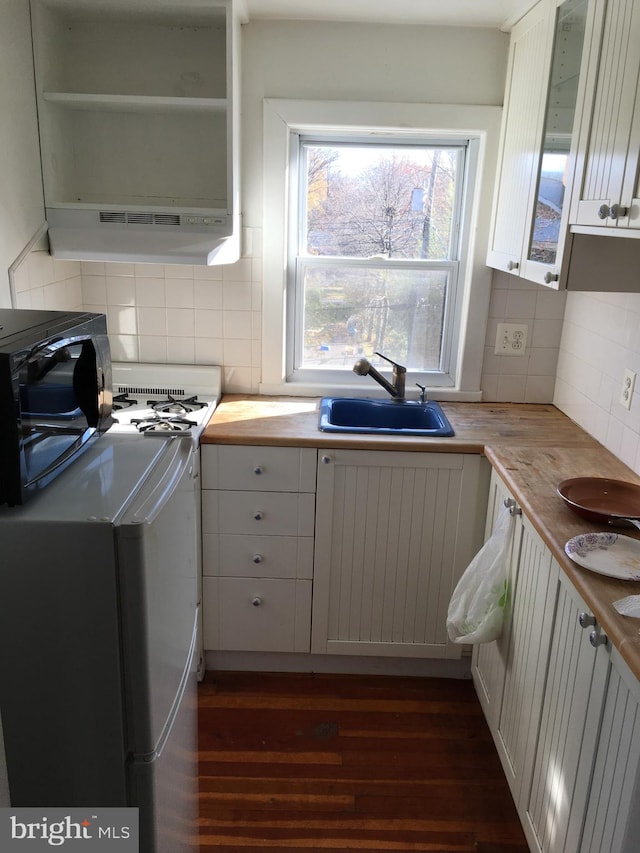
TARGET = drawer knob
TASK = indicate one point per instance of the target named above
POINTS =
(512, 506)
(257, 558)
(258, 515)
(597, 639)
(586, 620)
(603, 211)
(617, 211)
(258, 470)
(256, 601)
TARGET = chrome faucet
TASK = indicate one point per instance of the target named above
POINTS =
(363, 367)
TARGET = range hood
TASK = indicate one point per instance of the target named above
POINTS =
(139, 236)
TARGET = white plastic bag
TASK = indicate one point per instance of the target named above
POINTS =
(479, 601)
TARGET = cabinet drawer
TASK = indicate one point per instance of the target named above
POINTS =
(265, 556)
(254, 614)
(278, 469)
(261, 513)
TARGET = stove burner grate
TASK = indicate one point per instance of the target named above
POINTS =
(123, 401)
(157, 425)
(173, 406)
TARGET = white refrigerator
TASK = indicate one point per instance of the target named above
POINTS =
(98, 633)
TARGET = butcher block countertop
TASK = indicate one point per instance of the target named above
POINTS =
(532, 447)
(293, 421)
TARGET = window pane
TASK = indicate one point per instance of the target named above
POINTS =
(350, 312)
(368, 200)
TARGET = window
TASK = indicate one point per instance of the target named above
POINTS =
(373, 243)
(375, 257)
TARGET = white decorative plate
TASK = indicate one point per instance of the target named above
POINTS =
(607, 554)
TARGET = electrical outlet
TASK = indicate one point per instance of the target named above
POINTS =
(627, 388)
(511, 339)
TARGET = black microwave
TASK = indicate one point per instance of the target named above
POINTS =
(55, 394)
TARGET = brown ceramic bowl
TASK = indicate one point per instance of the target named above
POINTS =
(600, 499)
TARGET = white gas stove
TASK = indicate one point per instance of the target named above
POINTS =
(164, 400)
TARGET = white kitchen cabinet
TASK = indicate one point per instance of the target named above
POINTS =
(394, 532)
(258, 512)
(563, 709)
(567, 740)
(612, 823)
(545, 84)
(533, 607)
(607, 196)
(509, 673)
(527, 73)
(139, 115)
(489, 660)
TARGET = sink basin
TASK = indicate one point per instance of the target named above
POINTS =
(386, 417)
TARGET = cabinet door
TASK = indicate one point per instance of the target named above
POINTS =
(527, 75)
(509, 673)
(574, 694)
(489, 660)
(394, 532)
(612, 823)
(533, 608)
(547, 229)
(609, 133)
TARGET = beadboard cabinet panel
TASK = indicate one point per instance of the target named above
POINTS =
(394, 532)
(607, 196)
(612, 823)
(566, 744)
(533, 609)
(489, 660)
(509, 673)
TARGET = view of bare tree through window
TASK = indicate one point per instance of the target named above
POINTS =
(377, 252)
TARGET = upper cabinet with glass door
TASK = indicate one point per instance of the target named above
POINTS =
(545, 83)
(606, 199)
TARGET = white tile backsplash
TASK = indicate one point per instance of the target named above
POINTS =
(184, 314)
(119, 290)
(529, 378)
(600, 338)
(41, 281)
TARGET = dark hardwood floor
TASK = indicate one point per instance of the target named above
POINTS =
(342, 763)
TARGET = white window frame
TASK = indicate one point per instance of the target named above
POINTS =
(282, 118)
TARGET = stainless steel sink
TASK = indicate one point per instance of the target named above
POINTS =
(386, 417)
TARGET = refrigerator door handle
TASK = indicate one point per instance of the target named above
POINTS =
(149, 757)
(153, 504)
